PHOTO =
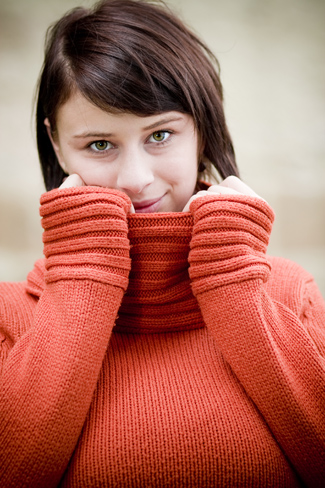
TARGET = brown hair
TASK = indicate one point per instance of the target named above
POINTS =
(132, 56)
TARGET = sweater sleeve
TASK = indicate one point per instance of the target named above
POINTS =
(50, 373)
(275, 352)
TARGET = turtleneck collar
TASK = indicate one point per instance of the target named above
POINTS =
(159, 296)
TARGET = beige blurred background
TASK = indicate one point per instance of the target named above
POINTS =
(273, 71)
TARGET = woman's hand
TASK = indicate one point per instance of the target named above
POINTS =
(72, 181)
(230, 186)
(75, 180)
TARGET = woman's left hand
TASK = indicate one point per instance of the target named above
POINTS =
(75, 180)
(230, 186)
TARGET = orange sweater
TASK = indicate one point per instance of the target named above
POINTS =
(203, 366)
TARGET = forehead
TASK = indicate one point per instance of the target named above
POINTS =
(78, 114)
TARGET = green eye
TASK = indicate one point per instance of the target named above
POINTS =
(100, 145)
(160, 136)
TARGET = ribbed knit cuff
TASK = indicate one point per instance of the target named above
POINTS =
(85, 235)
(229, 242)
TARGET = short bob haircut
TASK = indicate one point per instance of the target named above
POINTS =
(137, 57)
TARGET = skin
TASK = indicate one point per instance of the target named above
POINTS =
(153, 159)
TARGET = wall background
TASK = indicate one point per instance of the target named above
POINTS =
(273, 72)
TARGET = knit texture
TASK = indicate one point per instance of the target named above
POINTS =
(86, 235)
(159, 296)
(161, 350)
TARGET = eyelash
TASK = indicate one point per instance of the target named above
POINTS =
(156, 143)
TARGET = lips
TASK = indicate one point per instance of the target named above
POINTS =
(147, 206)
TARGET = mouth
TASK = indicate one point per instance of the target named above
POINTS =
(147, 206)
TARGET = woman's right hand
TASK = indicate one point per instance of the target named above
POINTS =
(71, 181)
(75, 180)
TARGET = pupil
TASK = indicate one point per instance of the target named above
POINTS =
(159, 136)
(101, 145)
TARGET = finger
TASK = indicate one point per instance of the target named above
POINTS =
(238, 185)
(72, 181)
(200, 193)
(216, 189)
(132, 209)
(223, 190)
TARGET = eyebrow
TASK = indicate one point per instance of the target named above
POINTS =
(107, 135)
(162, 122)
(97, 135)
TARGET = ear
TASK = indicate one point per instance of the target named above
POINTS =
(55, 144)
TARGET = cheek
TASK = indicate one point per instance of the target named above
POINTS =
(184, 179)
(67, 159)
(98, 174)
(183, 163)
(187, 172)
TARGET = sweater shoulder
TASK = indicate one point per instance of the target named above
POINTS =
(288, 283)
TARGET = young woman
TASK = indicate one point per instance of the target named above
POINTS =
(156, 344)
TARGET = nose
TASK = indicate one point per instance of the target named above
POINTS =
(135, 172)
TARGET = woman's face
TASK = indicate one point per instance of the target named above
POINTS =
(152, 159)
